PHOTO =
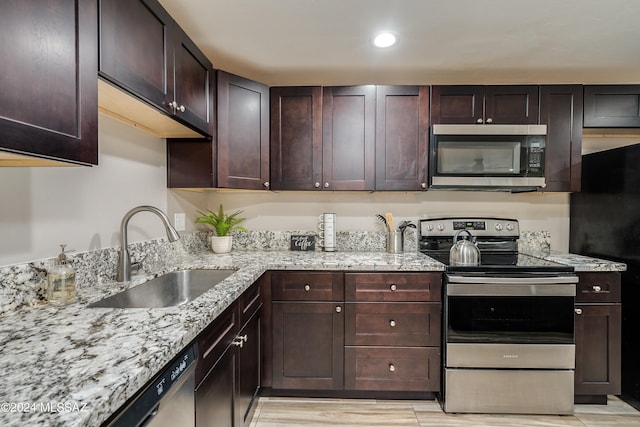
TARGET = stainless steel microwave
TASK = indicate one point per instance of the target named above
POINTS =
(490, 157)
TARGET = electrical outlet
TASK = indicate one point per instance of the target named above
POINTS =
(179, 221)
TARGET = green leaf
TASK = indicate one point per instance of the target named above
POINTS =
(222, 223)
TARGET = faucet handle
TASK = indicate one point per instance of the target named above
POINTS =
(137, 265)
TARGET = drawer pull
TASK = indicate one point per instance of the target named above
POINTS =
(239, 341)
(338, 309)
(392, 323)
(307, 288)
(393, 288)
(392, 368)
(578, 311)
(597, 288)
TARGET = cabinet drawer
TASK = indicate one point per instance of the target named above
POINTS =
(213, 341)
(394, 324)
(410, 287)
(598, 287)
(392, 368)
(304, 286)
(249, 302)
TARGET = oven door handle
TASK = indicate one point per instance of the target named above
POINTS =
(513, 280)
(511, 290)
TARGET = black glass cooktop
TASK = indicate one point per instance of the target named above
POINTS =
(504, 263)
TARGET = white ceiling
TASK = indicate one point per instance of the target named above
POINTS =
(327, 42)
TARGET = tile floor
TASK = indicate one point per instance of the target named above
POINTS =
(290, 412)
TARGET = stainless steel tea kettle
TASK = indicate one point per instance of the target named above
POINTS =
(464, 252)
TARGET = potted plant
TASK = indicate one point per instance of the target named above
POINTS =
(222, 224)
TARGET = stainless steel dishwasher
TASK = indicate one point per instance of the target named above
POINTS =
(168, 400)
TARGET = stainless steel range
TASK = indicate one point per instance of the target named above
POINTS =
(508, 341)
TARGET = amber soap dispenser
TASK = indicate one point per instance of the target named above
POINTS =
(61, 288)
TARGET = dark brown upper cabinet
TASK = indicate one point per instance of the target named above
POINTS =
(348, 138)
(296, 138)
(144, 52)
(561, 111)
(49, 113)
(243, 133)
(612, 106)
(402, 136)
(484, 104)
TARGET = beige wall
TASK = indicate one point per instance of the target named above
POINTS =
(82, 207)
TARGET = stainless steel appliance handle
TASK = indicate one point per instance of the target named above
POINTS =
(540, 280)
(511, 289)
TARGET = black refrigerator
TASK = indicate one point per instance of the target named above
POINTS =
(605, 223)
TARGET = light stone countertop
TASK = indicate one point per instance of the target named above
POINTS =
(89, 361)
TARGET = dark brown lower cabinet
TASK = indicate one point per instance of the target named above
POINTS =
(308, 345)
(228, 370)
(355, 334)
(214, 396)
(598, 337)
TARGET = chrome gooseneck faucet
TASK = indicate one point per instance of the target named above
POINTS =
(124, 260)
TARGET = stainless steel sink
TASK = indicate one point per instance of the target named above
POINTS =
(171, 289)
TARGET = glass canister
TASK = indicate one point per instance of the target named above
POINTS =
(61, 288)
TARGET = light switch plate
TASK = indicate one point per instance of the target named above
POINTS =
(179, 221)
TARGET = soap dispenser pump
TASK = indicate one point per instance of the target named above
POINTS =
(61, 288)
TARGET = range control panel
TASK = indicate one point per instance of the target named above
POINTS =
(486, 227)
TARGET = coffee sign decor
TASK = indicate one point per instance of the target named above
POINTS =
(303, 243)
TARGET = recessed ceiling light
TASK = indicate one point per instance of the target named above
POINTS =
(384, 40)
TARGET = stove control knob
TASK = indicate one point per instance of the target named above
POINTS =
(429, 227)
(440, 227)
(509, 227)
(498, 227)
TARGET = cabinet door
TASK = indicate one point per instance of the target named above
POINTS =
(348, 138)
(598, 341)
(191, 163)
(561, 111)
(308, 341)
(193, 84)
(612, 106)
(214, 396)
(247, 372)
(136, 49)
(243, 133)
(507, 105)
(457, 104)
(48, 83)
(402, 135)
(296, 138)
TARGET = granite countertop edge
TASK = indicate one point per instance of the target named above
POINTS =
(89, 361)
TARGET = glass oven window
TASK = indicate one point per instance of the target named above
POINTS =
(517, 320)
(479, 157)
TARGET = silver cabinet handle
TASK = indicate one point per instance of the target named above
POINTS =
(267, 184)
(597, 288)
(392, 367)
(479, 121)
(307, 288)
(338, 309)
(317, 185)
(326, 185)
(392, 323)
(489, 120)
(578, 311)
(393, 288)
(423, 185)
(182, 109)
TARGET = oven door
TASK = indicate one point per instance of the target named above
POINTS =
(523, 321)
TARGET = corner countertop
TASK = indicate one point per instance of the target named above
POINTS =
(75, 366)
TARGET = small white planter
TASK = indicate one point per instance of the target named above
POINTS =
(221, 244)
